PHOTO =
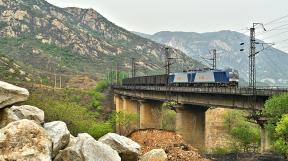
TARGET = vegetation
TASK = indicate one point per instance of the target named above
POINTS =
(125, 122)
(281, 132)
(169, 116)
(276, 110)
(97, 96)
(245, 134)
(72, 107)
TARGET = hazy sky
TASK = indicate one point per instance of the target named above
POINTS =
(150, 16)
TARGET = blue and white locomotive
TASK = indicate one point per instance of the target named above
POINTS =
(202, 77)
(205, 77)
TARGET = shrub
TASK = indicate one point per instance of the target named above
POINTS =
(281, 131)
(78, 118)
(246, 134)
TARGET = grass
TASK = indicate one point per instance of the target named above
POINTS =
(72, 107)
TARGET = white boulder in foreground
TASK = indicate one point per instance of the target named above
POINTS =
(10, 94)
(29, 112)
(86, 148)
(155, 155)
(24, 140)
(59, 134)
(16, 113)
(7, 116)
(127, 148)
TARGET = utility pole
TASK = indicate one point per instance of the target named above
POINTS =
(168, 63)
(55, 80)
(117, 73)
(252, 60)
(60, 79)
(133, 70)
(214, 58)
(60, 85)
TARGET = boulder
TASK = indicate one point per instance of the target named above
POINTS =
(29, 112)
(16, 113)
(24, 140)
(86, 148)
(59, 134)
(154, 155)
(93, 150)
(10, 94)
(7, 116)
(127, 148)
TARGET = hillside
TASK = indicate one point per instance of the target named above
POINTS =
(272, 64)
(44, 39)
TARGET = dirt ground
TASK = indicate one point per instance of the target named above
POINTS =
(172, 143)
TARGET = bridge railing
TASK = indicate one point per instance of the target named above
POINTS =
(265, 91)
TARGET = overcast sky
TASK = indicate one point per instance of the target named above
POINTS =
(150, 16)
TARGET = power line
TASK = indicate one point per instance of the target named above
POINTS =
(275, 20)
(274, 35)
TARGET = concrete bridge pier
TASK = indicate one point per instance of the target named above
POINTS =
(265, 140)
(150, 114)
(190, 123)
(131, 106)
(118, 103)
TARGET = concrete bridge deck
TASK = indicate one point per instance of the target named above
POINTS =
(260, 91)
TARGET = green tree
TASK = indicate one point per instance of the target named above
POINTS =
(275, 107)
(281, 132)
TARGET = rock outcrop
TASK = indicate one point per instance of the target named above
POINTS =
(127, 148)
(10, 94)
(59, 135)
(155, 155)
(24, 140)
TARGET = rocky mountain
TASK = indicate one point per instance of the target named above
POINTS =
(272, 64)
(44, 39)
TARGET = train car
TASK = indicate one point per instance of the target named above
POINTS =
(208, 77)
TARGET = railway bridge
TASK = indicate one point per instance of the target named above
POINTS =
(146, 102)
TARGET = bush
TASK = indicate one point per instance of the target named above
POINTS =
(78, 118)
(169, 119)
(97, 96)
(125, 121)
(281, 131)
(246, 134)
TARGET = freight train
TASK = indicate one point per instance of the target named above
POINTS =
(202, 77)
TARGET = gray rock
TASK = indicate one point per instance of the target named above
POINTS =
(93, 150)
(29, 112)
(25, 140)
(7, 116)
(10, 94)
(127, 148)
(86, 148)
(154, 155)
(59, 135)
(16, 113)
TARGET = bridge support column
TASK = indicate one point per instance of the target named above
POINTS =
(190, 123)
(118, 103)
(131, 106)
(150, 114)
(265, 140)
